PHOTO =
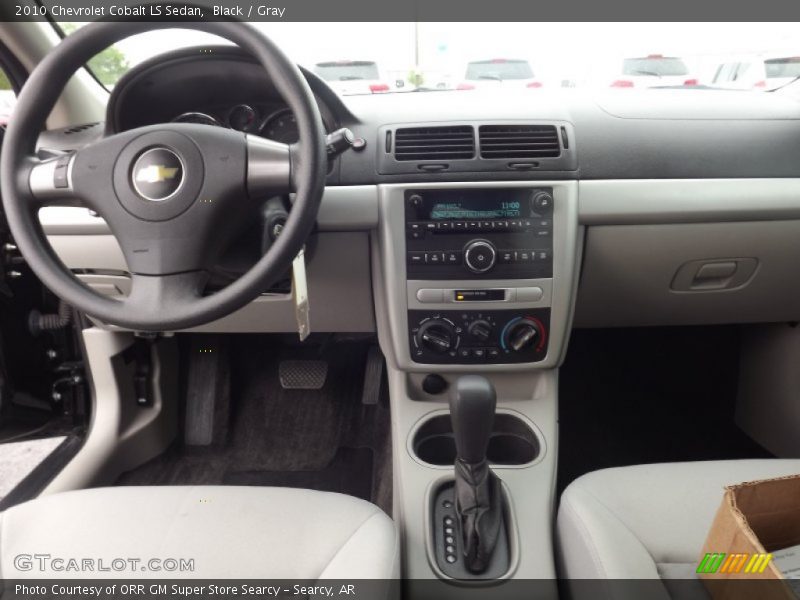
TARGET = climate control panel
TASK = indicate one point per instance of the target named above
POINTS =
(478, 336)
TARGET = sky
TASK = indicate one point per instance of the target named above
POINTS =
(556, 50)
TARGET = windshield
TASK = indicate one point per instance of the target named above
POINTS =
(521, 57)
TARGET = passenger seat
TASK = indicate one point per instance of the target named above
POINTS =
(648, 521)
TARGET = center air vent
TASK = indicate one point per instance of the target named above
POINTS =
(519, 141)
(434, 143)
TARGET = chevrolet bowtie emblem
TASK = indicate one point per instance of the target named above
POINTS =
(156, 174)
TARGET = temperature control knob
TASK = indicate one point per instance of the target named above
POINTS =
(480, 256)
(480, 330)
(437, 335)
(522, 334)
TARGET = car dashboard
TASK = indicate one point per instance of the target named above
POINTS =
(626, 172)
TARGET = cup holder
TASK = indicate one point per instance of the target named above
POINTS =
(512, 442)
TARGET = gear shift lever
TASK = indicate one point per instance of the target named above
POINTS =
(472, 406)
(477, 489)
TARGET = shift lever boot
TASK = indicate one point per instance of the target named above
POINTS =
(480, 511)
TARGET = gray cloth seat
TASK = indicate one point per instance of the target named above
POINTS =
(229, 532)
(648, 521)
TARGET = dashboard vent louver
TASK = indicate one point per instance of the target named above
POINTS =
(434, 143)
(79, 128)
(519, 141)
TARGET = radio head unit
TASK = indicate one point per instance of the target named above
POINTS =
(492, 233)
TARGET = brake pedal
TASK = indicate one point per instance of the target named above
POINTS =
(302, 374)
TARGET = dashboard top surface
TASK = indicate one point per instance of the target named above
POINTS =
(627, 134)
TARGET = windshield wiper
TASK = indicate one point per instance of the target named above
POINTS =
(490, 77)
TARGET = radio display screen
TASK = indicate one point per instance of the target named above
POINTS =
(468, 205)
(468, 210)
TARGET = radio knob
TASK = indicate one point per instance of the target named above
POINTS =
(542, 203)
(480, 330)
(522, 335)
(437, 336)
(479, 256)
(415, 200)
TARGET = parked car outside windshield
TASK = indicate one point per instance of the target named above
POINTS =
(505, 57)
(499, 72)
(654, 71)
(352, 76)
(755, 72)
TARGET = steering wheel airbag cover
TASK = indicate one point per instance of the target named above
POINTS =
(191, 171)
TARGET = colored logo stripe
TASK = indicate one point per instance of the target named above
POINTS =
(711, 562)
(720, 562)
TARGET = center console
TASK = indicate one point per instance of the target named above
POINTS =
(477, 279)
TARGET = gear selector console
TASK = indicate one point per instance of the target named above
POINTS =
(469, 516)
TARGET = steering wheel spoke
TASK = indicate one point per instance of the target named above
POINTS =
(269, 167)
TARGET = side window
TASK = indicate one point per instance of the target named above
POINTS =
(7, 98)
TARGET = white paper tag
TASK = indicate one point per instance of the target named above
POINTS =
(300, 294)
(788, 562)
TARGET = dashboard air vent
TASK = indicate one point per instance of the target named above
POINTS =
(434, 143)
(79, 128)
(519, 141)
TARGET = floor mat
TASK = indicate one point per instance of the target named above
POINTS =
(633, 396)
(323, 439)
(281, 429)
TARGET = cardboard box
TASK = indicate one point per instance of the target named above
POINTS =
(754, 520)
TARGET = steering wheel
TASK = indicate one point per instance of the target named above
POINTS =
(172, 194)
